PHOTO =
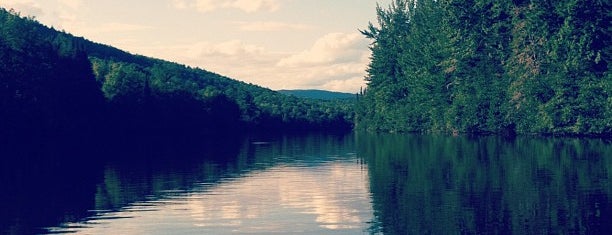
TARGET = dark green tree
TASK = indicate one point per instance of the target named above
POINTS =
(489, 66)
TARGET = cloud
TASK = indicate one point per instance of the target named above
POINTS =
(58, 13)
(334, 77)
(351, 85)
(25, 7)
(180, 4)
(249, 6)
(115, 27)
(73, 4)
(230, 48)
(270, 26)
(67, 12)
(233, 58)
(335, 62)
(256, 5)
(331, 48)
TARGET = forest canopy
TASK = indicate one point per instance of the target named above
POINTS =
(489, 66)
(452, 66)
(55, 84)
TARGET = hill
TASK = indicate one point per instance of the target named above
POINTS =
(53, 82)
(318, 94)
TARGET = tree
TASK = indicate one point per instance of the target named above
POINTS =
(489, 66)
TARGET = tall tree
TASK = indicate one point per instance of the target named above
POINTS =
(489, 66)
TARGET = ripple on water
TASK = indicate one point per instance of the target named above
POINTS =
(329, 196)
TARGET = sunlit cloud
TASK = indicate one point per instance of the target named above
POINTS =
(331, 48)
(25, 7)
(248, 6)
(114, 27)
(234, 58)
(226, 50)
(179, 4)
(63, 14)
(256, 5)
(350, 85)
(74, 4)
(269, 26)
(233, 48)
(336, 62)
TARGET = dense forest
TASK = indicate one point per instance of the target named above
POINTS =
(56, 84)
(489, 66)
(454, 66)
(319, 94)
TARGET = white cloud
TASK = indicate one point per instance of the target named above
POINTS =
(115, 27)
(209, 5)
(179, 4)
(351, 85)
(256, 5)
(331, 48)
(61, 14)
(74, 4)
(67, 13)
(25, 7)
(248, 6)
(269, 26)
(335, 62)
(223, 49)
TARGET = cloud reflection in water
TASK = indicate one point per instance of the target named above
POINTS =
(330, 198)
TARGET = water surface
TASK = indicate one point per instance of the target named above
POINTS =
(315, 184)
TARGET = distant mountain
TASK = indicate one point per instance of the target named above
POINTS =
(318, 94)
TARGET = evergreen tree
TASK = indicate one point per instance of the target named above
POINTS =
(489, 66)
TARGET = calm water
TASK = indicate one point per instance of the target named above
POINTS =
(314, 184)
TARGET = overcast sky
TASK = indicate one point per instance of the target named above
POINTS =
(279, 44)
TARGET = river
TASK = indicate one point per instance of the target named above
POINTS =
(352, 183)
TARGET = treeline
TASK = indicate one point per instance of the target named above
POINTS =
(43, 88)
(489, 66)
(52, 83)
(164, 90)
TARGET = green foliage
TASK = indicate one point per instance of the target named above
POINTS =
(489, 66)
(46, 87)
(52, 81)
(135, 86)
(318, 94)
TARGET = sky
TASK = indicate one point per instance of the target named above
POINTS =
(278, 44)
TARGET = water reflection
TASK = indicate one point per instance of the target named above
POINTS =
(295, 184)
(445, 185)
(283, 199)
(43, 185)
(313, 184)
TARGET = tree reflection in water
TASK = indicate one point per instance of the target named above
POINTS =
(427, 184)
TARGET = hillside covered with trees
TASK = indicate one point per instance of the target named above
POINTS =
(56, 84)
(318, 94)
(489, 66)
